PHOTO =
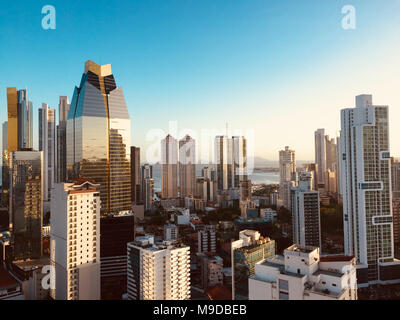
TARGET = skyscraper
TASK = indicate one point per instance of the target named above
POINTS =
(326, 160)
(305, 208)
(366, 188)
(169, 168)
(20, 120)
(63, 110)
(26, 203)
(158, 271)
(287, 174)
(239, 160)
(136, 189)
(223, 160)
(320, 156)
(4, 168)
(98, 137)
(75, 240)
(147, 186)
(187, 166)
(48, 144)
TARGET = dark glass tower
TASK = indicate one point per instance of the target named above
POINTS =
(98, 137)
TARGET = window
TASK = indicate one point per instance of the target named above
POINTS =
(283, 295)
(283, 285)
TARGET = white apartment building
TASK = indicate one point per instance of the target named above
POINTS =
(158, 271)
(75, 240)
(302, 274)
(365, 178)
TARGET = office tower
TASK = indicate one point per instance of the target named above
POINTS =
(75, 240)
(158, 271)
(20, 120)
(223, 161)
(116, 232)
(245, 253)
(320, 156)
(63, 110)
(211, 270)
(302, 274)
(98, 137)
(148, 193)
(48, 144)
(169, 168)
(4, 168)
(147, 186)
(287, 175)
(239, 160)
(135, 176)
(306, 213)
(366, 189)
(147, 171)
(395, 172)
(207, 239)
(26, 203)
(171, 232)
(187, 166)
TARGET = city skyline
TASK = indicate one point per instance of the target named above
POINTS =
(167, 69)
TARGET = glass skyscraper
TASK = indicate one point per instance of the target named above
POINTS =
(26, 203)
(98, 137)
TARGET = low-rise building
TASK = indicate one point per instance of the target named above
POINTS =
(302, 274)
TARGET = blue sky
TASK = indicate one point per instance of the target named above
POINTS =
(280, 68)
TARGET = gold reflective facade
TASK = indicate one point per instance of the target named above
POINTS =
(12, 109)
(98, 137)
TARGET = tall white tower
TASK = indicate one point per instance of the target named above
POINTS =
(75, 240)
(365, 179)
(169, 168)
(187, 166)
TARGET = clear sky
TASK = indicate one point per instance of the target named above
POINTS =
(282, 68)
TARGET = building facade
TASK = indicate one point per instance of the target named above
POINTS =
(26, 204)
(366, 189)
(302, 274)
(169, 168)
(187, 166)
(287, 175)
(158, 271)
(75, 240)
(98, 137)
(63, 110)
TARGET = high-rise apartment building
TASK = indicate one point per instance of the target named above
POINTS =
(211, 270)
(306, 213)
(366, 189)
(169, 168)
(4, 168)
(26, 204)
(136, 188)
(239, 160)
(395, 171)
(48, 144)
(171, 232)
(147, 186)
(287, 175)
(63, 110)
(326, 160)
(75, 240)
(158, 271)
(187, 166)
(98, 137)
